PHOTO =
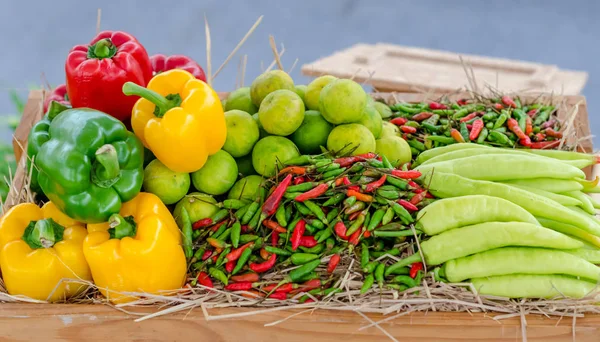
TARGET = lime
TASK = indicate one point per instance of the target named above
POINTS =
(395, 149)
(372, 120)
(270, 153)
(168, 185)
(313, 91)
(261, 131)
(312, 133)
(383, 109)
(342, 101)
(267, 83)
(217, 175)
(240, 99)
(244, 165)
(246, 188)
(242, 133)
(389, 129)
(281, 112)
(198, 205)
(301, 91)
(351, 139)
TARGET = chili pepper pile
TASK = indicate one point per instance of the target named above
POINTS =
(502, 122)
(316, 211)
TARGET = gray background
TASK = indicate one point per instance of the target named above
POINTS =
(36, 35)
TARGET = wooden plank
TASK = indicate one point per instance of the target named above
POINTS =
(408, 69)
(53, 322)
(32, 113)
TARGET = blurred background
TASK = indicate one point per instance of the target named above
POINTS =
(37, 35)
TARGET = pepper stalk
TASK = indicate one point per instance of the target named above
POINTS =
(43, 233)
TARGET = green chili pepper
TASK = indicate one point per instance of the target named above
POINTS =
(335, 199)
(242, 211)
(518, 102)
(330, 243)
(333, 173)
(489, 125)
(431, 127)
(482, 136)
(500, 138)
(291, 195)
(316, 210)
(218, 274)
(500, 121)
(303, 258)
(379, 274)
(536, 129)
(464, 131)
(522, 123)
(220, 231)
(443, 112)
(441, 139)
(433, 120)
(397, 287)
(490, 116)
(392, 252)
(367, 284)
(280, 216)
(501, 130)
(397, 182)
(519, 114)
(234, 204)
(379, 245)
(376, 218)
(225, 235)
(404, 108)
(386, 162)
(358, 206)
(303, 270)
(186, 229)
(310, 230)
(356, 224)
(241, 262)
(370, 267)
(300, 160)
(376, 163)
(364, 255)
(416, 144)
(541, 117)
(357, 167)
(196, 234)
(318, 248)
(350, 201)
(332, 214)
(220, 215)
(302, 187)
(388, 216)
(236, 230)
(398, 233)
(388, 194)
(460, 113)
(303, 209)
(277, 251)
(221, 259)
(402, 213)
(256, 219)
(419, 277)
(245, 238)
(328, 167)
(405, 280)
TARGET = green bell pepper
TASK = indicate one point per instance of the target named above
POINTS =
(87, 162)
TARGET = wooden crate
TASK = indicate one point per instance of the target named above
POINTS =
(407, 69)
(57, 322)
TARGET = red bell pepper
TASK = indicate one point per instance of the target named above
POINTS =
(162, 63)
(58, 94)
(96, 73)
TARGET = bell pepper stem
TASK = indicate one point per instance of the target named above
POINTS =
(43, 233)
(162, 103)
(103, 48)
(121, 227)
(106, 170)
(54, 109)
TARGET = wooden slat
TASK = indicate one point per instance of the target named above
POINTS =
(408, 69)
(52, 322)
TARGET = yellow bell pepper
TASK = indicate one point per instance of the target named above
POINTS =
(179, 118)
(39, 247)
(137, 250)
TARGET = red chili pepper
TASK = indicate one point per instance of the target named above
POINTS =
(353, 216)
(370, 187)
(469, 117)
(312, 193)
(513, 125)
(355, 237)
(265, 266)
(339, 181)
(540, 137)
(548, 124)
(368, 155)
(278, 295)
(295, 170)
(299, 180)
(412, 174)
(545, 144)
(455, 134)
(525, 141)
(428, 195)
(552, 133)
(408, 129)
(416, 199)
(415, 268)
(462, 102)
(528, 126)
(243, 286)
(273, 201)
(236, 253)
(498, 106)
(477, 127)
(204, 280)
(216, 243)
(308, 241)
(297, 234)
(162, 63)
(274, 226)
(286, 288)
(310, 285)
(274, 239)
(250, 276)
(264, 254)
(218, 225)
(244, 228)
(418, 191)
(437, 105)
(346, 161)
(399, 121)
(333, 262)
(340, 230)
(421, 116)
(206, 255)
(229, 266)
(202, 223)
(508, 101)
(413, 185)
(97, 71)
(469, 127)
(407, 205)
(532, 113)
(359, 196)
(58, 94)
(216, 256)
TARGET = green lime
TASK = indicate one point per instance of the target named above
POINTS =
(372, 120)
(271, 152)
(217, 176)
(383, 110)
(267, 83)
(198, 205)
(395, 149)
(242, 133)
(240, 99)
(244, 165)
(389, 129)
(168, 185)
(351, 139)
(246, 188)
(313, 91)
(312, 133)
(342, 101)
(301, 91)
(261, 131)
(281, 112)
